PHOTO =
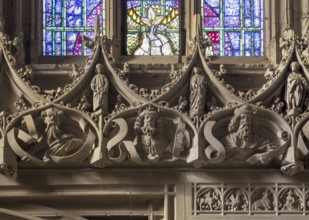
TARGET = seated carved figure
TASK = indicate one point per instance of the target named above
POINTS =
(59, 143)
(243, 143)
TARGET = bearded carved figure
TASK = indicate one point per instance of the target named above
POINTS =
(59, 143)
(148, 128)
(243, 143)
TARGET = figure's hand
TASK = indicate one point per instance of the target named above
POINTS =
(265, 159)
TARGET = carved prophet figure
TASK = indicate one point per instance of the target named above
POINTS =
(59, 143)
(147, 128)
(243, 143)
(197, 93)
(99, 86)
(296, 89)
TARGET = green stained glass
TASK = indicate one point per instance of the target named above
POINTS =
(66, 21)
(152, 27)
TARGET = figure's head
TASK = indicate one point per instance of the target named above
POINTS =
(197, 70)
(294, 66)
(99, 68)
(52, 116)
(242, 123)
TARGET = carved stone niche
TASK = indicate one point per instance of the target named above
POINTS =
(51, 134)
(245, 135)
(148, 135)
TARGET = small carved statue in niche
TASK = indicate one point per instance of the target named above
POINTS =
(243, 143)
(197, 93)
(289, 202)
(305, 26)
(263, 203)
(296, 89)
(83, 104)
(99, 86)
(287, 36)
(59, 143)
(210, 201)
(148, 129)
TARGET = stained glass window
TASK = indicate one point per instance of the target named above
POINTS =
(235, 27)
(66, 21)
(152, 27)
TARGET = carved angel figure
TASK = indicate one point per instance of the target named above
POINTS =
(99, 86)
(197, 93)
(147, 128)
(296, 89)
(243, 143)
(59, 143)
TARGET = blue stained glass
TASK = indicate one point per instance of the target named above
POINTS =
(70, 41)
(247, 44)
(91, 5)
(48, 20)
(58, 6)
(232, 14)
(74, 13)
(48, 36)
(232, 8)
(173, 4)
(214, 4)
(231, 22)
(247, 13)
(257, 44)
(133, 4)
(242, 19)
(58, 49)
(58, 20)
(232, 43)
(48, 49)
(247, 41)
(58, 37)
(59, 14)
(48, 6)
(257, 22)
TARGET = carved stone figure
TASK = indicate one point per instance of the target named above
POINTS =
(296, 89)
(197, 93)
(263, 203)
(287, 36)
(243, 143)
(148, 129)
(305, 25)
(236, 200)
(83, 104)
(99, 86)
(18, 43)
(59, 143)
(210, 201)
